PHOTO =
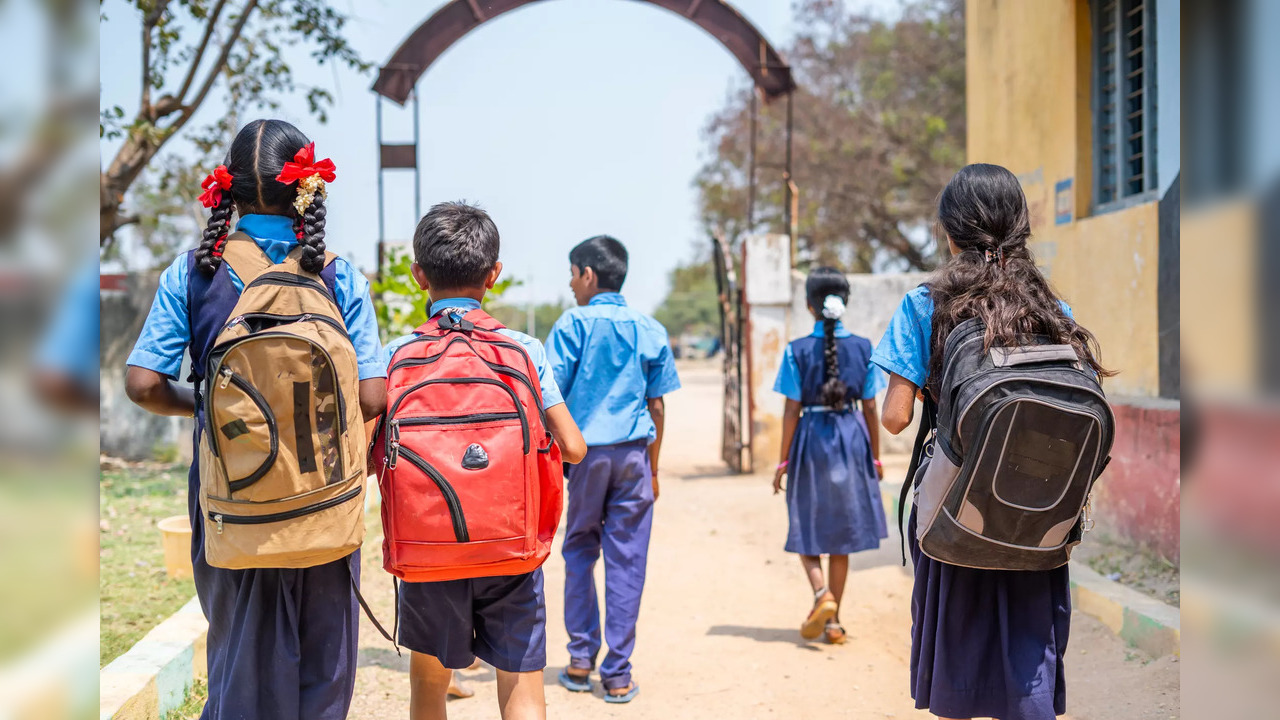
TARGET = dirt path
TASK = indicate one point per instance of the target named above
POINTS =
(718, 635)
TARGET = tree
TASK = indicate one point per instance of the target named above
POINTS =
(691, 304)
(879, 128)
(187, 46)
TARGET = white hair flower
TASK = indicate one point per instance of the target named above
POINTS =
(833, 307)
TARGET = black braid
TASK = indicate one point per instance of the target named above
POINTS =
(834, 389)
(218, 227)
(311, 225)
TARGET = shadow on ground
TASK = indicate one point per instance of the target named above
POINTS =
(789, 636)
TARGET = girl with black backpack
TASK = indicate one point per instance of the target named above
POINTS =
(985, 643)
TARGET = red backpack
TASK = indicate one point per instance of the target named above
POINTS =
(471, 480)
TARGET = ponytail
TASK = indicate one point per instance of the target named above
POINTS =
(834, 389)
(209, 253)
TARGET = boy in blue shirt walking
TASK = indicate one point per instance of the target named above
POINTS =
(613, 365)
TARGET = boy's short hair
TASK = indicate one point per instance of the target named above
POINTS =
(606, 256)
(456, 245)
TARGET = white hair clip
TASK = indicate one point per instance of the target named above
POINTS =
(833, 307)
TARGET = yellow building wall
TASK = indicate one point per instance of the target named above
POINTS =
(1028, 108)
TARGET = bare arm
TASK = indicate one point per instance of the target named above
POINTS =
(790, 418)
(873, 431)
(657, 411)
(373, 397)
(158, 393)
(565, 430)
(899, 404)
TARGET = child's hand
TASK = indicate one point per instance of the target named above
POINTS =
(777, 478)
(655, 486)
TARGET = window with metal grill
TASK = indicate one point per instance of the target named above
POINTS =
(1124, 100)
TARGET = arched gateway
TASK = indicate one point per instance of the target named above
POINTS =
(771, 75)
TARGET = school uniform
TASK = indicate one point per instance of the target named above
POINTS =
(282, 642)
(833, 491)
(502, 620)
(609, 360)
(984, 643)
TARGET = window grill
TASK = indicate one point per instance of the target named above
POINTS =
(1124, 99)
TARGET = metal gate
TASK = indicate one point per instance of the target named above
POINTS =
(729, 291)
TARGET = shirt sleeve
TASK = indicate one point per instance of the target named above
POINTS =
(660, 372)
(167, 330)
(788, 381)
(70, 344)
(564, 347)
(546, 378)
(361, 319)
(904, 349)
(875, 383)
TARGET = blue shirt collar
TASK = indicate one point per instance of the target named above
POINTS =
(608, 298)
(273, 233)
(840, 331)
(467, 304)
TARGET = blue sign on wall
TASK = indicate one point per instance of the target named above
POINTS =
(1062, 210)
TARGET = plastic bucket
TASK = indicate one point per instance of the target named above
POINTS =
(175, 535)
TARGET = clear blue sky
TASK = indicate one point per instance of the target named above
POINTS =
(564, 120)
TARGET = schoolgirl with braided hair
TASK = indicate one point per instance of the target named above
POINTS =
(282, 642)
(830, 450)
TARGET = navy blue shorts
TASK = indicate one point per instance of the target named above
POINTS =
(501, 620)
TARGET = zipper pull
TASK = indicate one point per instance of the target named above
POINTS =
(393, 433)
(1086, 523)
(225, 372)
(305, 317)
(218, 519)
(234, 321)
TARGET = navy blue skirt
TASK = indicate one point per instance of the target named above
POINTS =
(988, 643)
(833, 495)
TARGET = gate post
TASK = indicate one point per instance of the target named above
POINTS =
(767, 288)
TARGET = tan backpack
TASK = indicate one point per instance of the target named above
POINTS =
(282, 455)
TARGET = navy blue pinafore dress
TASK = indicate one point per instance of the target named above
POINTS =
(833, 492)
(282, 643)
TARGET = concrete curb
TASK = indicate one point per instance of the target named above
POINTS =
(154, 676)
(1143, 622)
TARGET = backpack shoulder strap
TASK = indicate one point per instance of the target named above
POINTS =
(246, 259)
(928, 420)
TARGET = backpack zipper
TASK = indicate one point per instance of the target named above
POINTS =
(524, 421)
(500, 369)
(304, 317)
(446, 490)
(475, 418)
(289, 279)
(229, 376)
(220, 518)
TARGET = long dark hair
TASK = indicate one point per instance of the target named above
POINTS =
(824, 281)
(256, 157)
(994, 277)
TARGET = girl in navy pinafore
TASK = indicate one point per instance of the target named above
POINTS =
(830, 451)
(282, 642)
(984, 643)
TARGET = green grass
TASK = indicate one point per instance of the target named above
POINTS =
(193, 705)
(136, 594)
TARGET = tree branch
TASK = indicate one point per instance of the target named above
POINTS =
(204, 43)
(190, 108)
(148, 24)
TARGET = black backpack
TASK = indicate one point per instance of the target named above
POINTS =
(1019, 435)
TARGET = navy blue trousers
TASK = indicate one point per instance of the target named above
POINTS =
(610, 509)
(282, 642)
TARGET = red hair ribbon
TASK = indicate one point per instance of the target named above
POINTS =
(218, 246)
(304, 165)
(213, 185)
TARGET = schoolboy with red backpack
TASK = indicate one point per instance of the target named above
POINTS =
(469, 460)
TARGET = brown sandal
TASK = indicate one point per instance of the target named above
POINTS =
(835, 633)
(824, 608)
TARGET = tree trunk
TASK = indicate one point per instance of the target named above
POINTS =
(124, 169)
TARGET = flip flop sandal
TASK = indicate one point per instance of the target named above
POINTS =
(823, 610)
(835, 633)
(573, 684)
(626, 697)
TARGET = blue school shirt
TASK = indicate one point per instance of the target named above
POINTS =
(167, 331)
(70, 343)
(788, 381)
(609, 360)
(550, 390)
(905, 348)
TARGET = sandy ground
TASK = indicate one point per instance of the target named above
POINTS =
(718, 635)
